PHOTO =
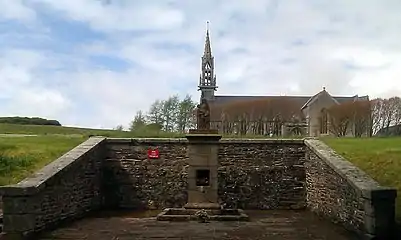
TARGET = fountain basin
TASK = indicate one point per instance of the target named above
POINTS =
(184, 214)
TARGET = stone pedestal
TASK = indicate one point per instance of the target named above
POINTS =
(203, 150)
(203, 201)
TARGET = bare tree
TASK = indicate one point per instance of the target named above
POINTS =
(339, 119)
(361, 114)
(376, 120)
(256, 116)
(385, 114)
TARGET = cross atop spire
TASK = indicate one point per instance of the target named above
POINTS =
(208, 49)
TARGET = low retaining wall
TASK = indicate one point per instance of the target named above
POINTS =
(341, 192)
(65, 189)
(253, 174)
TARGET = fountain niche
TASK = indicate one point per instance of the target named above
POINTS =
(203, 202)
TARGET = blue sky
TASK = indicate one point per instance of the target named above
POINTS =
(94, 63)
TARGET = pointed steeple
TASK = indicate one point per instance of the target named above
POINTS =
(208, 49)
(207, 79)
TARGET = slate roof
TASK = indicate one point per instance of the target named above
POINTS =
(299, 101)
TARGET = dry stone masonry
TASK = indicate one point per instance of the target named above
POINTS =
(252, 174)
(340, 191)
(134, 181)
(67, 188)
(262, 174)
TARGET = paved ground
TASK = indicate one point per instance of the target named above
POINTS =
(272, 225)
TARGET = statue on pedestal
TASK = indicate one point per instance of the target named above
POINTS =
(203, 115)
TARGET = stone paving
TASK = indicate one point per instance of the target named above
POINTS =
(287, 225)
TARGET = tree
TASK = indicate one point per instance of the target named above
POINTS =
(361, 114)
(139, 122)
(385, 113)
(256, 116)
(170, 113)
(351, 115)
(186, 108)
(155, 113)
(119, 128)
(376, 108)
(339, 117)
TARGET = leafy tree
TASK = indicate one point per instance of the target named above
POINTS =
(154, 127)
(170, 115)
(139, 122)
(185, 111)
(170, 112)
(155, 113)
(119, 128)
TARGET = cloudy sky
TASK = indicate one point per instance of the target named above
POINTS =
(94, 63)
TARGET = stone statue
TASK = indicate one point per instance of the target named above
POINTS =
(203, 115)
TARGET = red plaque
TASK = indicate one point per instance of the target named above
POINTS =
(153, 153)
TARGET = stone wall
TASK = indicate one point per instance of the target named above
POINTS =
(258, 174)
(65, 189)
(262, 174)
(341, 192)
(134, 181)
(252, 174)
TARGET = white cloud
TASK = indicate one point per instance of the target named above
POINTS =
(20, 87)
(38, 102)
(260, 47)
(16, 9)
(124, 15)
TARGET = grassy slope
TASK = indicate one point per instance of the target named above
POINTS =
(21, 156)
(58, 130)
(379, 157)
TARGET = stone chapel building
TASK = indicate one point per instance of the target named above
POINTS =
(309, 111)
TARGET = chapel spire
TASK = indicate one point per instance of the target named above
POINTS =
(208, 49)
(207, 79)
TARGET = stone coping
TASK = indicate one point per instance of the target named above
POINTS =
(369, 188)
(37, 181)
(222, 141)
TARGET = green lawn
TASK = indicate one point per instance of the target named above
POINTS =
(6, 128)
(21, 156)
(378, 157)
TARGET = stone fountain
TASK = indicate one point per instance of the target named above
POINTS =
(203, 201)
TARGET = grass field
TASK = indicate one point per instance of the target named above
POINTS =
(59, 130)
(21, 156)
(378, 157)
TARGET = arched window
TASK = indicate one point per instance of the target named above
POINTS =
(323, 121)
